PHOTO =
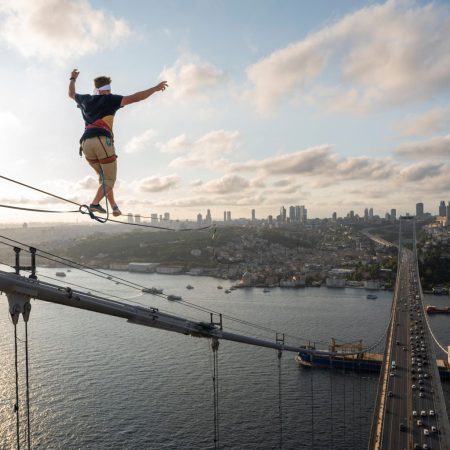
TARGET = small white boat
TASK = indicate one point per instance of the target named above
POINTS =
(173, 298)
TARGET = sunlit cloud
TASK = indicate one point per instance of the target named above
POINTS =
(372, 71)
(140, 142)
(204, 151)
(192, 78)
(429, 122)
(437, 148)
(158, 183)
(58, 30)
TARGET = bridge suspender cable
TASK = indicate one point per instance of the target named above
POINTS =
(16, 406)
(215, 349)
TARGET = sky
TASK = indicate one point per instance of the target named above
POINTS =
(337, 106)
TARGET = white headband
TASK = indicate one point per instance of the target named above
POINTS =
(106, 87)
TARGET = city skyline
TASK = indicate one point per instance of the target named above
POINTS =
(305, 104)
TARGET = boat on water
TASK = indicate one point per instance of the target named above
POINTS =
(189, 286)
(227, 291)
(60, 274)
(265, 290)
(371, 297)
(351, 357)
(173, 298)
(219, 287)
(152, 290)
(435, 310)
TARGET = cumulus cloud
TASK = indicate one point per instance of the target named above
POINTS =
(158, 183)
(437, 148)
(204, 151)
(87, 183)
(392, 53)
(318, 166)
(422, 170)
(140, 142)
(225, 185)
(191, 78)
(58, 30)
(436, 120)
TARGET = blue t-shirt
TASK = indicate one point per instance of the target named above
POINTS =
(98, 113)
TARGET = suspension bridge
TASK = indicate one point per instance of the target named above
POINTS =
(396, 403)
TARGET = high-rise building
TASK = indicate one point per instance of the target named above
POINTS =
(442, 208)
(130, 218)
(448, 210)
(366, 214)
(208, 219)
(270, 220)
(352, 214)
(228, 216)
(387, 216)
(283, 214)
(292, 217)
(303, 214)
(393, 214)
(224, 216)
(419, 210)
(371, 214)
(253, 215)
(166, 216)
(297, 213)
(199, 220)
(154, 218)
(334, 216)
(137, 218)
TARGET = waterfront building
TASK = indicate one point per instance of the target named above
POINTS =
(130, 218)
(137, 218)
(154, 218)
(228, 216)
(167, 216)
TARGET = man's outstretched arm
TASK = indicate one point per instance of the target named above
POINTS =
(73, 77)
(142, 95)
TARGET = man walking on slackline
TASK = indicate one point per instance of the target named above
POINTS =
(97, 142)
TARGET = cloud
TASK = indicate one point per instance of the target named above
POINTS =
(437, 147)
(226, 185)
(140, 142)
(429, 122)
(191, 78)
(394, 53)
(204, 151)
(158, 184)
(421, 171)
(88, 182)
(58, 30)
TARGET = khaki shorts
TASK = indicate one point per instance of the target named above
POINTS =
(101, 155)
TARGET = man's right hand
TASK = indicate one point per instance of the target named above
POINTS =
(161, 86)
(74, 74)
